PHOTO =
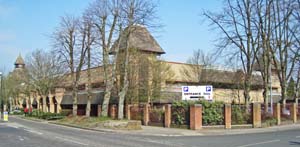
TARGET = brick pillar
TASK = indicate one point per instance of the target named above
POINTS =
(99, 109)
(113, 111)
(196, 117)
(256, 115)
(128, 112)
(276, 113)
(167, 115)
(294, 112)
(146, 114)
(227, 113)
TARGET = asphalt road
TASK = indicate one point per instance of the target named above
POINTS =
(24, 133)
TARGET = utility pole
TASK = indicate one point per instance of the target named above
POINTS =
(270, 79)
(1, 95)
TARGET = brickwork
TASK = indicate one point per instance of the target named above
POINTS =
(146, 115)
(276, 113)
(127, 109)
(294, 112)
(168, 115)
(256, 115)
(196, 117)
(227, 113)
(113, 111)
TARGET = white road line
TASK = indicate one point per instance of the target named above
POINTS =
(35, 132)
(259, 143)
(21, 138)
(297, 136)
(72, 141)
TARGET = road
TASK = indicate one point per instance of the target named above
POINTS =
(26, 133)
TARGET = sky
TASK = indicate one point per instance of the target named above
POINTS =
(26, 25)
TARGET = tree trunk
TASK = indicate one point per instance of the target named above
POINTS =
(107, 95)
(266, 98)
(247, 90)
(74, 94)
(283, 96)
(44, 104)
(88, 105)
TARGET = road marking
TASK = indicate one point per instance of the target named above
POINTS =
(21, 138)
(259, 143)
(72, 141)
(297, 136)
(35, 132)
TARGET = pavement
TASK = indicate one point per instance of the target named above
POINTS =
(206, 131)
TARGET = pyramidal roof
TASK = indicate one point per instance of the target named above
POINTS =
(20, 60)
(141, 39)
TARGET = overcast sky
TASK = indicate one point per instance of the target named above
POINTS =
(25, 25)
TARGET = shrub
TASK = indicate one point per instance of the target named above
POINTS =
(212, 113)
(45, 115)
(180, 112)
(268, 119)
(156, 115)
(239, 115)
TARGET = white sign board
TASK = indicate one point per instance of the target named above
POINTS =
(197, 92)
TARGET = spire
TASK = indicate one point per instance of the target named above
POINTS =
(19, 62)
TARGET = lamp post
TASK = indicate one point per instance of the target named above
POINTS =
(1, 95)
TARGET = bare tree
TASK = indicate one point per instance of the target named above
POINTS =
(236, 23)
(282, 42)
(106, 17)
(133, 12)
(111, 18)
(70, 42)
(199, 64)
(87, 28)
(43, 73)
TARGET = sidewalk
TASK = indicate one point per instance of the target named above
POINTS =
(160, 131)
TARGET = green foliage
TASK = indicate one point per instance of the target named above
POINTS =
(239, 115)
(18, 112)
(45, 115)
(290, 88)
(268, 120)
(66, 112)
(180, 112)
(212, 113)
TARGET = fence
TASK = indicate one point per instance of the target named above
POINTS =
(156, 116)
(298, 112)
(286, 112)
(184, 117)
(136, 112)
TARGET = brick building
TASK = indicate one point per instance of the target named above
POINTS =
(151, 80)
